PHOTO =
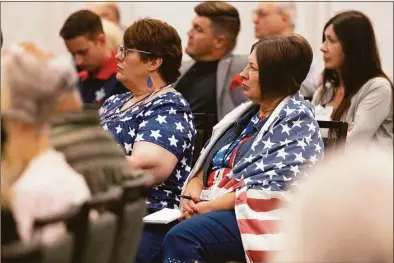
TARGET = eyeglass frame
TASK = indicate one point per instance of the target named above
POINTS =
(122, 50)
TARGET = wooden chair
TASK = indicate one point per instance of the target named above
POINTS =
(94, 237)
(130, 212)
(61, 250)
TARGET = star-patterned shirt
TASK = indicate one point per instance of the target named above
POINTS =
(166, 121)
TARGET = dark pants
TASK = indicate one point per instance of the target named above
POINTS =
(211, 237)
(151, 241)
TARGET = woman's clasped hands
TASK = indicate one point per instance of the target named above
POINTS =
(193, 206)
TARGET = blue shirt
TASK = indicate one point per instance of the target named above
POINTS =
(96, 88)
(166, 121)
(224, 155)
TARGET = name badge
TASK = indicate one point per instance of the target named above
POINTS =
(206, 194)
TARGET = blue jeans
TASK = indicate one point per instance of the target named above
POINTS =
(151, 241)
(210, 237)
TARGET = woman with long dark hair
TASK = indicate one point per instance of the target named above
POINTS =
(355, 88)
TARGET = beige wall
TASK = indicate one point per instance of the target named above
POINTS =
(41, 22)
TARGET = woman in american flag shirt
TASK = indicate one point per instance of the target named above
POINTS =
(153, 123)
(255, 155)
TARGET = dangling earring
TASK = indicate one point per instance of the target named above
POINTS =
(149, 83)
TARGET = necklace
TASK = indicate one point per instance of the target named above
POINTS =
(141, 101)
(144, 99)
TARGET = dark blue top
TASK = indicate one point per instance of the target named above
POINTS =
(96, 91)
(223, 156)
(96, 88)
(166, 121)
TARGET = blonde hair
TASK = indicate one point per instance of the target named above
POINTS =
(113, 34)
(33, 81)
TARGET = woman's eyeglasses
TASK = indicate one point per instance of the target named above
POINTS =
(124, 51)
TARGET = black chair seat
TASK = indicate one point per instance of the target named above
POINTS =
(339, 131)
(204, 124)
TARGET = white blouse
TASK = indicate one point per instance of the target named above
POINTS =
(47, 186)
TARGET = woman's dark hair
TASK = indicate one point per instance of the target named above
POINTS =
(161, 40)
(82, 23)
(355, 32)
(284, 63)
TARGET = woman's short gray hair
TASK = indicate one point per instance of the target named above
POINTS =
(34, 84)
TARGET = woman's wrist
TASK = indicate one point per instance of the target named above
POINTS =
(206, 207)
(194, 185)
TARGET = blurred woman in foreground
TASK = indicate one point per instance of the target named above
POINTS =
(36, 179)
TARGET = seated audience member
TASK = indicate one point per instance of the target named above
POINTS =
(108, 10)
(113, 35)
(355, 90)
(85, 39)
(256, 153)
(276, 18)
(206, 81)
(38, 180)
(87, 147)
(153, 122)
(343, 215)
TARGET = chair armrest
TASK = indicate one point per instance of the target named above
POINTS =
(57, 217)
(109, 197)
(137, 187)
(20, 249)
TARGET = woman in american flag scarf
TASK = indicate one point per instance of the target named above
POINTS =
(255, 155)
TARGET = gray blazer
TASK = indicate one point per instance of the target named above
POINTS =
(226, 99)
(370, 115)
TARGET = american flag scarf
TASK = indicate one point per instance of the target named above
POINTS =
(288, 143)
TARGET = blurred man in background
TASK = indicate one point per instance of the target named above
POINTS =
(84, 38)
(274, 18)
(205, 82)
(278, 18)
(107, 10)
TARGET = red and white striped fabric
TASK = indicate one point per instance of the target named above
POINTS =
(258, 214)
